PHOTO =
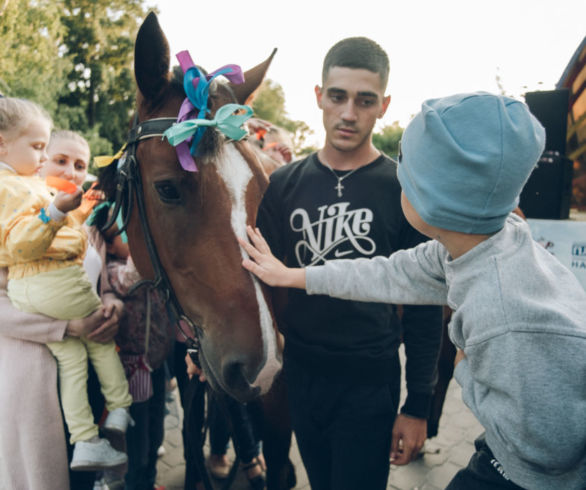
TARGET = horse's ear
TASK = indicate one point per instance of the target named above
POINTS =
(252, 80)
(151, 58)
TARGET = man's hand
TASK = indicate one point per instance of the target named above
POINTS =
(409, 434)
(66, 202)
(193, 370)
(266, 266)
(459, 356)
(113, 311)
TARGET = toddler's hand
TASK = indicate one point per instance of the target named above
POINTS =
(66, 202)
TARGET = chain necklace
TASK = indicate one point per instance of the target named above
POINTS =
(339, 187)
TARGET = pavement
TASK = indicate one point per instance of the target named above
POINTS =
(444, 454)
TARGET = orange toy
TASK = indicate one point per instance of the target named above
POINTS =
(61, 184)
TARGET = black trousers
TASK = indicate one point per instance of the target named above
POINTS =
(343, 428)
(482, 473)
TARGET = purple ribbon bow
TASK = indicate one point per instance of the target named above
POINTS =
(195, 105)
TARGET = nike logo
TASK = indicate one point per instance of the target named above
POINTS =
(339, 253)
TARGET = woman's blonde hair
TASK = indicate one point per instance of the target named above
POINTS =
(16, 114)
(66, 134)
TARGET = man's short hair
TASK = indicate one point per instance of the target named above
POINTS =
(358, 52)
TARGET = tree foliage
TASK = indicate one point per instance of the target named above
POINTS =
(269, 104)
(387, 139)
(99, 40)
(31, 65)
(73, 57)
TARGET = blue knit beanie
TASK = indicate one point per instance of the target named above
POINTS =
(465, 159)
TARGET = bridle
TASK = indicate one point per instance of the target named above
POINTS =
(129, 186)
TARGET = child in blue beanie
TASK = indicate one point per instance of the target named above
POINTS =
(518, 321)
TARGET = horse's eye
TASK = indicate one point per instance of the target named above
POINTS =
(168, 192)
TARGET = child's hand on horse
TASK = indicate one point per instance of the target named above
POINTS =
(266, 266)
(65, 202)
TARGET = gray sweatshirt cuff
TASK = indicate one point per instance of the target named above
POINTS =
(315, 280)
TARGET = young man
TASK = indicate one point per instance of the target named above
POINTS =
(341, 357)
(518, 313)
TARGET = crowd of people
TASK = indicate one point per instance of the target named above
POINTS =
(85, 357)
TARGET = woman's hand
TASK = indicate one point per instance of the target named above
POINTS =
(82, 327)
(266, 266)
(113, 311)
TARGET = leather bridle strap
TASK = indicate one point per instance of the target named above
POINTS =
(130, 186)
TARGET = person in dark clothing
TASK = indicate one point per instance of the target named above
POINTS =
(341, 357)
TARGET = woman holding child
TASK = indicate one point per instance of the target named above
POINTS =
(32, 446)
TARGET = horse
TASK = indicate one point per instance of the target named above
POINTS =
(182, 227)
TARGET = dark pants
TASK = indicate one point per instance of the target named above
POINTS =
(343, 429)
(240, 426)
(193, 412)
(143, 440)
(482, 472)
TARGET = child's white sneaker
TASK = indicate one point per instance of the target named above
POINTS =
(118, 421)
(95, 454)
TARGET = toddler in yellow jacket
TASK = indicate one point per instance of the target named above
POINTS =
(43, 244)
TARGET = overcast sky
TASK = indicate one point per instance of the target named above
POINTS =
(436, 48)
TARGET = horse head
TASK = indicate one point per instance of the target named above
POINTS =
(194, 217)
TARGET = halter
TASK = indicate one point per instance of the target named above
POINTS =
(129, 186)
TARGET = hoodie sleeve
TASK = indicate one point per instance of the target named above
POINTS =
(413, 276)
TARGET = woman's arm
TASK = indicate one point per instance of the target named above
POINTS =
(100, 326)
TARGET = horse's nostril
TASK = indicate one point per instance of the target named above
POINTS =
(236, 381)
(234, 375)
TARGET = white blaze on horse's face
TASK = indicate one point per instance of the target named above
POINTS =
(236, 174)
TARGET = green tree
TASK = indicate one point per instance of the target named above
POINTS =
(99, 38)
(31, 64)
(387, 139)
(269, 104)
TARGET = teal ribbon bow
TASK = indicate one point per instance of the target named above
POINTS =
(43, 216)
(225, 120)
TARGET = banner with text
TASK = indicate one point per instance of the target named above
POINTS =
(566, 239)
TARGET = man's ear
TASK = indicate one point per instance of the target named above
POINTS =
(318, 95)
(385, 105)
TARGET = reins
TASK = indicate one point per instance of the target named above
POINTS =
(129, 186)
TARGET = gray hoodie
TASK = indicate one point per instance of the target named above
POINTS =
(520, 317)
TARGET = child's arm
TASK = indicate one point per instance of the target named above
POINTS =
(266, 266)
(27, 227)
(407, 277)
